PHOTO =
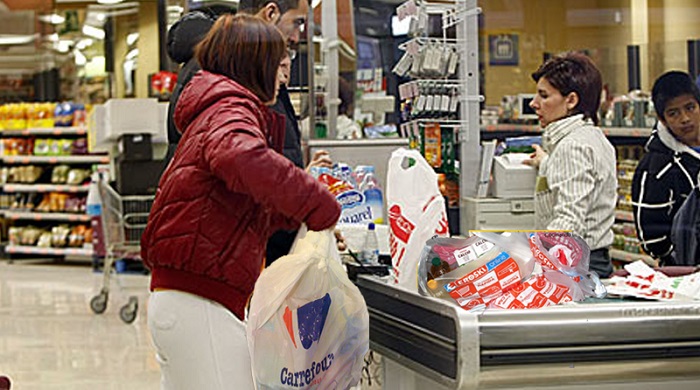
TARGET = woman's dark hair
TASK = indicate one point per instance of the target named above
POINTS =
(574, 72)
(671, 85)
(245, 49)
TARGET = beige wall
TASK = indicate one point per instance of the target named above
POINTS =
(603, 27)
(147, 45)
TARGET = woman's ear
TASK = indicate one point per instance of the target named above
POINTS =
(571, 101)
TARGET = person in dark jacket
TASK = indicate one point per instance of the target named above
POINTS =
(226, 190)
(289, 16)
(668, 172)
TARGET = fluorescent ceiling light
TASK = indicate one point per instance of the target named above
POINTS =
(84, 43)
(109, 1)
(80, 58)
(63, 46)
(132, 54)
(315, 3)
(93, 32)
(52, 18)
(14, 39)
(132, 38)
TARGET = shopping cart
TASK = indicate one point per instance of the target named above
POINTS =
(124, 219)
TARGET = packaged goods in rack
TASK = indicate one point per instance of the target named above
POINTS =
(513, 270)
(21, 116)
(430, 102)
(357, 190)
(60, 236)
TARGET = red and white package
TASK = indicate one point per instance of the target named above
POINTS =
(486, 282)
(533, 293)
(644, 282)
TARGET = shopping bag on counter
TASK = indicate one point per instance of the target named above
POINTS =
(308, 325)
(416, 213)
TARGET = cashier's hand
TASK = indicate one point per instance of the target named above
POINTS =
(536, 157)
(321, 159)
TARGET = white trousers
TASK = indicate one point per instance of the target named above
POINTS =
(199, 343)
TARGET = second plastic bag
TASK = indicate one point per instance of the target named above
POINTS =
(416, 212)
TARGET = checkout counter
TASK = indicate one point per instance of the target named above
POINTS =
(607, 344)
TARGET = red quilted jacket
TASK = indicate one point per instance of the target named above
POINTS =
(225, 191)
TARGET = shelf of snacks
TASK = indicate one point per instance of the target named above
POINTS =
(47, 216)
(73, 159)
(34, 250)
(623, 215)
(620, 255)
(22, 116)
(10, 187)
(56, 131)
(60, 240)
(609, 131)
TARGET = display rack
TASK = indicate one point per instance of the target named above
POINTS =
(53, 216)
(12, 187)
(33, 250)
(46, 220)
(620, 255)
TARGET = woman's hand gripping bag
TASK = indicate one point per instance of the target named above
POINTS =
(416, 213)
(308, 325)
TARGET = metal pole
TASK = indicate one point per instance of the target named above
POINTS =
(469, 139)
(310, 64)
(329, 27)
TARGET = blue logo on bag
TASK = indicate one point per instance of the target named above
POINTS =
(310, 321)
(311, 318)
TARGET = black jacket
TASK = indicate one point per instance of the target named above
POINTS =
(182, 37)
(663, 180)
(685, 232)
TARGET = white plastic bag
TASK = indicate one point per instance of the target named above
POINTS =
(416, 213)
(308, 325)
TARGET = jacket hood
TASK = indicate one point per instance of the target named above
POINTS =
(208, 89)
(186, 33)
(662, 141)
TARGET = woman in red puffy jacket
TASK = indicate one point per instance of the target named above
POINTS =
(226, 190)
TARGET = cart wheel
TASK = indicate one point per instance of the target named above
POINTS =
(98, 303)
(128, 312)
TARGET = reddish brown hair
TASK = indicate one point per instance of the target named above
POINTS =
(245, 49)
(574, 72)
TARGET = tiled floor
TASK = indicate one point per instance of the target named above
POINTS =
(51, 340)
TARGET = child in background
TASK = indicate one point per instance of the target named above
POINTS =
(668, 172)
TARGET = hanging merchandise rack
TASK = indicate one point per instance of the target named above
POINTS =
(440, 109)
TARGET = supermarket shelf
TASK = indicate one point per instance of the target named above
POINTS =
(625, 216)
(56, 131)
(609, 131)
(626, 131)
(621, 255)
(86, 159)
(33, 250)
(45, 188)
(505, 127)
(22, 215)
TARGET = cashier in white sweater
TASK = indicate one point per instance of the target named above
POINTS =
(577, 184)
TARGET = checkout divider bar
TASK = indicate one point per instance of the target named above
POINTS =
(435, 339)
(455, 348)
